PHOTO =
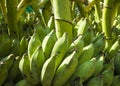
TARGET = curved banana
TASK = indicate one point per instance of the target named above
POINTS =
(3, 72)
(87, 53)
(60, 47)
(48, 71)
(33, 44)
(36, 62)
(66, 69)
(51, 23)
(77, 44)
(84, 71)
(24, 66)
(48, 43)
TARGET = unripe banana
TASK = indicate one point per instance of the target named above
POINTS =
(99, 66)
(22, 83)
(3, 73)
(8, 60)
(84, 71)
(60, 47)
(24, 66)
(66, 69)
(87, 53)
(14, 70)
(5, 45)
(23, 45)
(48, 71)
(77, 44)
(51, 23)
(36, 62)
(117, 63)
(33, 44)
(116, 81)
(113, 49)
(107, 77)
(48, 43)
(95, 81)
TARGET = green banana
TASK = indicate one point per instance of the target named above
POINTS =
(9, 60)
(116, 81)
(84, 71)
(36, 62)
(51, 23)
(99, 66)
(5, 45)
(23, 45)
(14, 69)
(24, 66)
(33, 44)
(87, 53)
(113, 49)
(61, 47)
(95, 81)
(66, 69)
(22, 83)
(117, 63)
(108, 76)
(48, 43)
(48, 71)
(3, 73)
(77, 44)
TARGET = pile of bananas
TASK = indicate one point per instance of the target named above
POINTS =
(48, 46)
(48, 61)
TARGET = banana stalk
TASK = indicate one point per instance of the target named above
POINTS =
(12, 17)
(106, 22)
(62, 17)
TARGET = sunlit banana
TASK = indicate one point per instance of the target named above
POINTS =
(66, 69)
(87, 53)
(51, 23)
(60, 47)
(24, 66)
(33, 44)
(48, 43)
(84, 71)
(77, 44)
(36, 62)
(48, 71)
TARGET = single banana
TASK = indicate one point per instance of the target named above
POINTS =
(116, 81)
(95, 81)
(61, 47)
(14, 69)
(108, 76)
(24, 66)
(36, 62)
(3, 72)
(33, 44)
(51, 23)
(87, 53)
(23, 45)
(66, 69)
(84, 71)
(113, 49)
(99, 66)
(48, 43)
(9, 60)
(77, 44)
(48, 71)
(22, 82)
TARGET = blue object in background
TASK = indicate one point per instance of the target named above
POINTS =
(29, 9)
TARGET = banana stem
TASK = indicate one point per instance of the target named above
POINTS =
(62, 13)
(106, 22)
(4, 10)
(11, 6)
